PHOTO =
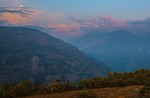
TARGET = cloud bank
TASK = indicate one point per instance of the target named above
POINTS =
(108, 24)
(62, 24)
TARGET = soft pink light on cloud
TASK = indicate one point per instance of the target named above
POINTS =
(101, 22)
(54, 21)
(17, 19)
(60, 23)
(69, 29)
(38, 17)
(110, 21)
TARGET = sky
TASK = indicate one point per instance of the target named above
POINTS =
(124, 9)
(89, 8)
(70, 16)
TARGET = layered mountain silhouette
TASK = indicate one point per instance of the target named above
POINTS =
(27, 53)
(121, 50)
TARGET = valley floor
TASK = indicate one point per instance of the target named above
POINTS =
(116, 92)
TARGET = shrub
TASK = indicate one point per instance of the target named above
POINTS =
(4, 87)
(24, 88)
(145, 91)
(58, 87)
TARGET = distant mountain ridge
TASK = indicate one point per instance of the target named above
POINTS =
(27, 53)
(121, 50)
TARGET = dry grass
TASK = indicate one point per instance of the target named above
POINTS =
(117, 92)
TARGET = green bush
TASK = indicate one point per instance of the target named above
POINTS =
(145, 92)
(24, 88)
(139, 77)
(4, 87)
(58, 87)
(40, 89)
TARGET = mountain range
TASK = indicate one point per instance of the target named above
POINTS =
(27, 53)
(121, 50)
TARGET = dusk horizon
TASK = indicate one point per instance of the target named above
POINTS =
(71, 18)
(74, 48)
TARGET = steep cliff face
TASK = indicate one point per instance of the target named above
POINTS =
(31, 54)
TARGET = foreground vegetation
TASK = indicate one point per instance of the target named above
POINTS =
(114, 92)
(28, 88)
(145, 92)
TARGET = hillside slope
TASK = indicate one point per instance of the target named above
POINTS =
(31, 54)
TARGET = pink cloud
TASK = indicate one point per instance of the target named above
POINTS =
(101, 22)
(69, 29)
(60, 23)
(54, 21)
(108, 20)
(17, 19)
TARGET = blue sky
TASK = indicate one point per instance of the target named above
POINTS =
(123, 9)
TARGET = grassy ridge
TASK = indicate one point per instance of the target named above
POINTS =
(27, 87)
